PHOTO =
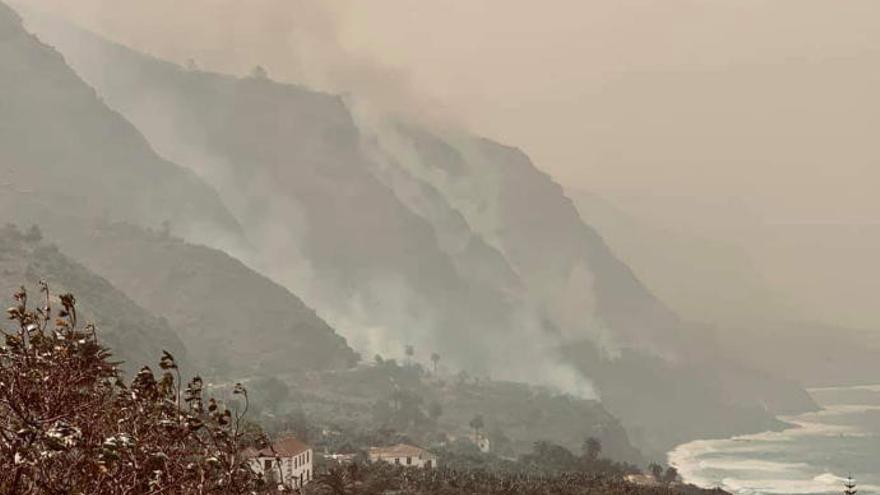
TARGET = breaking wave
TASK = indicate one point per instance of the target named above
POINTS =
(813, 456)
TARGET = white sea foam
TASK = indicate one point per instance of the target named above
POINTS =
(751, 465)
(788, 462)
(820, 484)
(823, 483)
(867, 388)
(844, 409)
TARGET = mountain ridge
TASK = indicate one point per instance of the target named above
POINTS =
(376, 264)
(86, 176)
(315, 178)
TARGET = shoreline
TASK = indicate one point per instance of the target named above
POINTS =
(756, 464)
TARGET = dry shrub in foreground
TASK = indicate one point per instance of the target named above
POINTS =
(70, 425)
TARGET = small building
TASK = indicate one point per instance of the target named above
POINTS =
(288, 462)
(642, 479)
(404, 455)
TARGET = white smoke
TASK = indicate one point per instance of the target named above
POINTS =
(385, 314)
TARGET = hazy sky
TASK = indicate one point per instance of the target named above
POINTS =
(770, 103)
(767, 99)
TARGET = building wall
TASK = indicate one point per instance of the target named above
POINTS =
(409, 461)
(297, 471)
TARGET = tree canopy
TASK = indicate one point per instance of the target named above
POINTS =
(70, 424)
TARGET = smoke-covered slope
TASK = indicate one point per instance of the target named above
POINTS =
(474, 258)
(668, 381)
(380, 222)
(326, 220)
(563, 262)
(135, 335)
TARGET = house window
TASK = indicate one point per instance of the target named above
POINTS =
(267, 464)
(409, 461)
(397, 460)
(307, 455)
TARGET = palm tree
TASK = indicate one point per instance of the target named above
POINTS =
(849, 486)
(477, 424)
(656, 471)
(435, 358)
(592, 448)
(671, 475)
(336, 480)
(397, 399)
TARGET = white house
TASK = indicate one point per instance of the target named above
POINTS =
(288, 462)
(642, 479)
(404, 455)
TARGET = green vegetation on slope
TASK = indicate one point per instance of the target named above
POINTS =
(233, 320)
(134, 333)
(386, 402)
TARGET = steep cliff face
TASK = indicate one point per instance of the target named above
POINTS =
(474, 259)
(135, 335)
(541, 233)
(64, 155)
(564, 264)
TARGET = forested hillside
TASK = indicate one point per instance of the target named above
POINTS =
(138, 337)
(234, 321)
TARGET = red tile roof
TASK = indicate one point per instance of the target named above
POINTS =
(285, 447)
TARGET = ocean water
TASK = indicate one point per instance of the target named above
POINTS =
(813, 457)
